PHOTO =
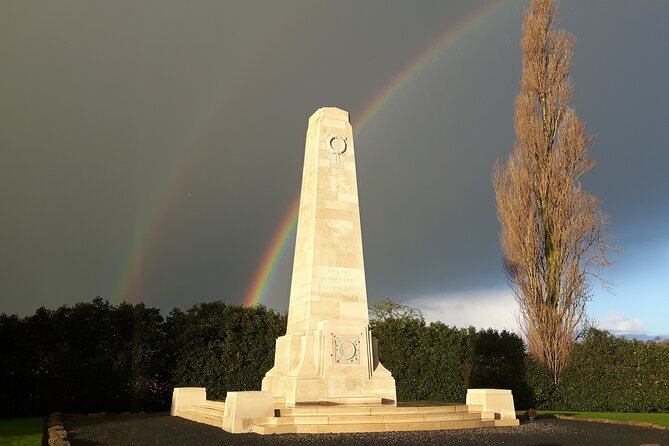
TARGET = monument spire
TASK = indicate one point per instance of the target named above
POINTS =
(328, 353)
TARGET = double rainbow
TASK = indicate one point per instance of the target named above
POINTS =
(277, 246)
(129, 285)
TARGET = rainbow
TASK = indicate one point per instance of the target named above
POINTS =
(273, 253)
(129, 288)
(276, 248)
(174, 181)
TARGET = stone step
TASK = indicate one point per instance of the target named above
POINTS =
(370, 427)
(207, 410)
(381, 418)
(373, 410)
(201, 415)
(358, 418)
(508, 422)
(215, 404)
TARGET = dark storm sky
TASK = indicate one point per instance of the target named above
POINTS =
(179, 127)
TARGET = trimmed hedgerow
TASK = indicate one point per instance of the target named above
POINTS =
(222, 347)
(606, 373)
(436, 362)
(101, 357)
(611, 374)
(97, 356)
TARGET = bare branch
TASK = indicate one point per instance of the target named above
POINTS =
(553, 233)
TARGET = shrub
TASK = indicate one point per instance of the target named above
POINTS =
(439, 363)
(100, 357)
(611, 374)
(222, 347)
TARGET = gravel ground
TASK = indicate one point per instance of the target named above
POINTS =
(160, 429)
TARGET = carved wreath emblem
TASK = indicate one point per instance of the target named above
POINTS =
(337, 146)
(346, 349)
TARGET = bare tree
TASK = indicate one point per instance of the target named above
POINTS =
(389, 309)
(552, 231)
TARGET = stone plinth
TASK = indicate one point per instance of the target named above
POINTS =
(499, 401)
(328, 353)
(241, 408)
(186, 397)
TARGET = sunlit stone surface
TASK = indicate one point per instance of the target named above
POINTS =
(328, 353)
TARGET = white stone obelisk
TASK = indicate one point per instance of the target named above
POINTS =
(328, 354)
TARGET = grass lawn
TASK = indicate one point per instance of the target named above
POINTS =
(21, 431)
(655, 418)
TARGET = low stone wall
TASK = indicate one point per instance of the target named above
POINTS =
(55, 434)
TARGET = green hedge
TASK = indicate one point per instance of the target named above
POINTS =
(223, 347)
(610, 374)
(96, 356)
(606, 374)
(86, 358)
(100, 357)
(439, 363)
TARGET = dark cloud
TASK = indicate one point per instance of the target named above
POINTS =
(110, 109)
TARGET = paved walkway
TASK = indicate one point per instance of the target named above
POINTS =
(161, 429)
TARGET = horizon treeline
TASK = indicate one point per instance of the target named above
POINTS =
(96, 356)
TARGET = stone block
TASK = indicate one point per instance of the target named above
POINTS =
(186, 397)
(499, 401)
(241, 408)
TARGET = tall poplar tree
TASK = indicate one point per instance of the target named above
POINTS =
(552, 232)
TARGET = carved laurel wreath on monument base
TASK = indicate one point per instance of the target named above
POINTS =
(346, 349)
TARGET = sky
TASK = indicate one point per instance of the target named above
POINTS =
(151, 150)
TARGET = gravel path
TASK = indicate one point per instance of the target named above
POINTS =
(163, 430)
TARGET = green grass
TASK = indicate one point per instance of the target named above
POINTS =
(21, 431)
(655, 418)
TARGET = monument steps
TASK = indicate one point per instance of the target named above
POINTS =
(347, 418)
(375, 409)
(209, 413)
(201, 415)
(388, 418)
(370, 427)
(206, 409)
(332, 419)
(215, 404)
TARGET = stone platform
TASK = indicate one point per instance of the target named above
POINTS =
(210, 413)
(359, 418)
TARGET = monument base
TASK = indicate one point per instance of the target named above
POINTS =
(258, 412)
(335, 364)
(323, 391)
